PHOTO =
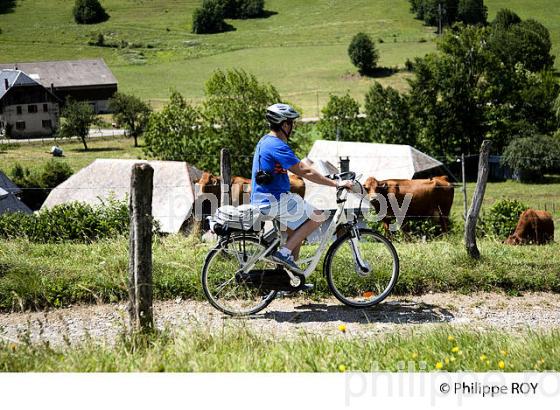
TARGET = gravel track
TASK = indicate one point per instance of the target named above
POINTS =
(290, 317)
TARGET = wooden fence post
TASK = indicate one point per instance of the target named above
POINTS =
(478, 196)
(225, 173)
(140, 248)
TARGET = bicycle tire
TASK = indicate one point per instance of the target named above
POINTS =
(328, 271)
(266, 300)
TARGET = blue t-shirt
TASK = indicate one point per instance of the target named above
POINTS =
(275, 156)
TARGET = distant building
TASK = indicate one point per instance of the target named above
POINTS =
(84, 80)
(27, 109)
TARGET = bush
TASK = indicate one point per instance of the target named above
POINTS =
(341, 120)
(532, 156)
(502, 218)
(209, 18)
(363, 54)
(243, 9)
(37, 185)
(89, 12)
(77, 222)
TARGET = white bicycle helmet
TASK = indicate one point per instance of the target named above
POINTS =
(278, 113)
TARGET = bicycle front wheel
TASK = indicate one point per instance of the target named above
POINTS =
(222, 287)
(348, 282)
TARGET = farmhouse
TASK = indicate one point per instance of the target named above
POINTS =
(9, 202)
(173, 194)
(26, 107)
(83, 80)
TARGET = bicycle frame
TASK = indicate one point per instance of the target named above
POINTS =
(338, 219)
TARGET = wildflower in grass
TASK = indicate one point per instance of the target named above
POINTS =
(341, 368)
(342, 328)
(451, 338)
(439, 365)
(483, 357)
(487, 362)
(504, 352)
(501, 364)
(455, 349)
(414, 355)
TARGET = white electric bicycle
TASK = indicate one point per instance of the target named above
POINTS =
(361, 266)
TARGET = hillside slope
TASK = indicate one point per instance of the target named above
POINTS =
(300, 47)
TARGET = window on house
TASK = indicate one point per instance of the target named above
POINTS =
(45, 108)
(18, 110)
(47, 124)
(31, 109)
(20, 125)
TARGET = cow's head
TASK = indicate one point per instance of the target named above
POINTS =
(373, 186)
(513, 240)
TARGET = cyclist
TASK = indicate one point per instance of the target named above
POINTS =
(270, 186)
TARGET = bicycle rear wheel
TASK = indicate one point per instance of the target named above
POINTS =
(223, 289)
(345, 278)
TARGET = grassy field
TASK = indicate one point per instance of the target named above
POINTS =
(300, 48)
(52, 275)
(36, 154)
(240, 350)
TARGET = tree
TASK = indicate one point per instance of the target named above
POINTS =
(232, 116)
(532, 156)
(209, 18)
(78, 118)
(556, 109)
(504, 19)
(89, 12)
(177, 133)
(388, 116)
(234, 112)
(527, 43)
(341, 120)
(363, 54)
(131, 112)
(472, 12)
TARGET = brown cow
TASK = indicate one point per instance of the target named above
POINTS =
(535, 227)
(430, 197)
(241, 187)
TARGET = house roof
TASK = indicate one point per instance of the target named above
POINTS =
(11, 203)
(382, 161)
(7, 185)
(15, 78)
(72, 73)
(173, 195)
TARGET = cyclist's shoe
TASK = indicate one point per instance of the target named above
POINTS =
(305, 288)
(287, 261)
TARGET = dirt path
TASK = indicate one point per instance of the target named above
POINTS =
(291, 316)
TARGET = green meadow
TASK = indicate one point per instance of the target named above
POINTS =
(300, 47)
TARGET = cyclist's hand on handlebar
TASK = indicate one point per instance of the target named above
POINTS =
(345, 184)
